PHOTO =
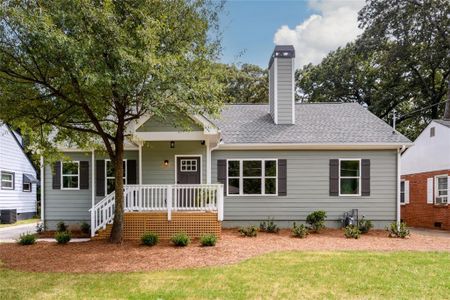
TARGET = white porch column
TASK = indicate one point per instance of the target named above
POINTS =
(140, 163)
(220, 202)
(93, 193)
(42, 189)
(208, 163)
(169, 202)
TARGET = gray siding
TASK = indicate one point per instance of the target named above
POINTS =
(154, 154)
(284, 90)
(308, 188)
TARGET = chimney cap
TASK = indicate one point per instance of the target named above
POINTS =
(282, 51)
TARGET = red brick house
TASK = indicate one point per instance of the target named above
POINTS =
(425, 170)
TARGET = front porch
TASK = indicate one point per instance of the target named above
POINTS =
(164, 209)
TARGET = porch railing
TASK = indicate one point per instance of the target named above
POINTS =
(180, 197)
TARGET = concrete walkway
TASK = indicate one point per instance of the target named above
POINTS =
(13, 232)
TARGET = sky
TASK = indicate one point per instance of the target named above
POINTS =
(251, 28)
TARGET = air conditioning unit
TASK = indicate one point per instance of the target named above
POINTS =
(8, 216)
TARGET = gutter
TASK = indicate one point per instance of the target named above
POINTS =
(399, 178)
(314, 146)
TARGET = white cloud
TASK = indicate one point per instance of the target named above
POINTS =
(334, 25)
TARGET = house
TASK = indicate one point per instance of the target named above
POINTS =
(282, 160)
(18, 176)
(425, 178)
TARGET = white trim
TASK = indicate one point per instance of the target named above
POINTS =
(436, 188)
(170, 136)
(293, 91)
(350, 177)
(399, 178)
(125, 174)
(42, 188)
(12, 181)
(190, 165)
(312, 146)
(188, 155)
(430, 190)
(70, 175)
(275, 91)
(93, 178)
(241, 177)
(208, 162)
(140, 164)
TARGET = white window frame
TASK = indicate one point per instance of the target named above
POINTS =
(125, 170)
(26, 189)
(436, 189)
(350, 177)
(193, 163)
(263, 177)
(402, 192)
(11, 181)
(70, 175)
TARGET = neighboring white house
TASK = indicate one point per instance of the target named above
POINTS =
(17, 175)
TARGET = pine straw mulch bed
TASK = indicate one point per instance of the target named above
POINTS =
(100, 256)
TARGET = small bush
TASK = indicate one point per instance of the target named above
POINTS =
(180, 240)
(269, 226)
(317, 220)
(85, 228)
(398, 232)
(62, 237)
(250, 231)
(352, 232)
(149, 239)
(208, 240)
(27, 239)
(365, 225)
(300, 231)
(61, 227)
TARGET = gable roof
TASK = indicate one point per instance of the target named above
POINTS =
(443, 122)
(316, 123)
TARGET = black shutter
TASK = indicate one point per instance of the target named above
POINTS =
(334, 177)
(131, 172)
(365, 177)
(84, 175)
(222, 173)
(57, 175)
(282, 177)
(100, 178)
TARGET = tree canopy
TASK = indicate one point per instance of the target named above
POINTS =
(401, 61)
(82, 71)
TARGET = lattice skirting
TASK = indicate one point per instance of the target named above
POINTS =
(194, 224)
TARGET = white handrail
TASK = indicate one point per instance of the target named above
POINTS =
(160, 197)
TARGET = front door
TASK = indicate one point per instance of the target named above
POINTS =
(188, 170)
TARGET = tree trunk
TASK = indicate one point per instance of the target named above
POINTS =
(447, 104)
(117, 228)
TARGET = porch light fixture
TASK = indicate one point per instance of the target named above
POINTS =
(166, 163)
(172, 144)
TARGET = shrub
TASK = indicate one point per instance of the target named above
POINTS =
(300, 231)
(269, 226)
(62, 237)
(316, 220)
(352, 232)
(365, 225)
(398, 231)
(180, 240)
(85, 228)
(149, 239)
(61, 227)
(208, 240)
(250, 231)
(27, 239)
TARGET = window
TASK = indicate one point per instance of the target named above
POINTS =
(402, 192)
(252, 177)
(441, 189)
(188, 165)
(432, 131)
(70, 175)
(110, 176)
(26, 187)
(350, 177)
(7, 180)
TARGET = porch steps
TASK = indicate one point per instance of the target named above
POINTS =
(194, 224)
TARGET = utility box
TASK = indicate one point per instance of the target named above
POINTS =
(8, 216)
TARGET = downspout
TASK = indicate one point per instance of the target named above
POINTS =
(93, 192)
(399, 153)
(42, 190)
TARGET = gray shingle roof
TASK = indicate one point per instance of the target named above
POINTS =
(443, 122)
(318, 123)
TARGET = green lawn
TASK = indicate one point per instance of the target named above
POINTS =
(21, 222)
(283, 275)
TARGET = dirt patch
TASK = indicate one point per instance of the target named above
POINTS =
(99, 256)
(73, 234)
